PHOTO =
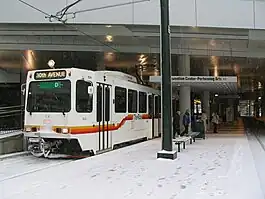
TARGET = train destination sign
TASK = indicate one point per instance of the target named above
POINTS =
(59, 74)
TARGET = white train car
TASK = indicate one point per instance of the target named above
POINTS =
(77, 112)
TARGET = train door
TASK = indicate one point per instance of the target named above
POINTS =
(151, 113)
(104, 116)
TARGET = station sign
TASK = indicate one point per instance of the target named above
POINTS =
(43, 75)
(197, 79)
(204, 79)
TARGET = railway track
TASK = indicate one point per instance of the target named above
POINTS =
(14, 167)
(258, 136)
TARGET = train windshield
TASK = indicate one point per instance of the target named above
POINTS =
(49, 96)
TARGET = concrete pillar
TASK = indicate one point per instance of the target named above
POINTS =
(231, 111)
(263, 101)
(23, 79)
(175, 93)
(206, 98)
(206, 106)
(184, 94)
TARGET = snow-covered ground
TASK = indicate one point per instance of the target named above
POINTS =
(220, 167)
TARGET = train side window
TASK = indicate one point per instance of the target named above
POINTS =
(132, 101)
(159, 105)
(142, 102)
(150, 104)
(99, 103)
(120, 100)
(84, 101)
(156, 105)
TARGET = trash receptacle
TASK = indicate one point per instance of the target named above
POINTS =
(199, 127)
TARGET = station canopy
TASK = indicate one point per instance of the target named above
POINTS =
(220, 84)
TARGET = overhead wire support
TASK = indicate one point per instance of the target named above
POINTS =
(62, 13)
(108, 6)
(64, 10)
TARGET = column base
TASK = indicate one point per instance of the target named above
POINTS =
(171, 155)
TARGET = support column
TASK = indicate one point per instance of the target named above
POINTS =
(206, 98)
(184, 94)
(23, 78)
(175, 93)
(263, 100)
(167, 149)
(206, 106)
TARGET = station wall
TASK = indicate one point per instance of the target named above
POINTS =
(209, 13)
(9, 77)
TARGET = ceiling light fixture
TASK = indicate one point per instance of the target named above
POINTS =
(109, 38)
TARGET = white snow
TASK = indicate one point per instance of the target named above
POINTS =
(167, 152)
(220, 167)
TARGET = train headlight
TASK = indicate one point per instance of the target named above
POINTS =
(28, 129)
(64, 131)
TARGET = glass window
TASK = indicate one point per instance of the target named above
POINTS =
(142, 102)
(107, 103)
(132, 101)
(157, 105)
(49, 96)
(99, 103)
(84, 101)
(120, 100)
(151, 104)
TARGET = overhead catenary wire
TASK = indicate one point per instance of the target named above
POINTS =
(59, 16)
(67, 25)
(65, 9)
(109, 6)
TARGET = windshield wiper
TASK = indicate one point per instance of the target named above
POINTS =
(63, 111)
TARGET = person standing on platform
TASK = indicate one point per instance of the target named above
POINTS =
(215, 121)
(186, 122)
(204, 120)
(176, 125)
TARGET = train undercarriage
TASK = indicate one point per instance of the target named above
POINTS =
(56, 148)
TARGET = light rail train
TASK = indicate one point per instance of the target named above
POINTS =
(77, 112)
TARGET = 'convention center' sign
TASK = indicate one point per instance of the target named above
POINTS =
(202, 79)
(197, 79)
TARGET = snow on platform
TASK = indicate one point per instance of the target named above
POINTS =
(219, 167)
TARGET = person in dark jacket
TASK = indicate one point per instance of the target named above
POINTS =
(186, 122)
(176, 124)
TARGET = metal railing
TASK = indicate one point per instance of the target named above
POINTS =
(11, 119)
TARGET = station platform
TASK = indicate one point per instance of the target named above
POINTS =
(231, 129)
(220, 167)
(6, 134)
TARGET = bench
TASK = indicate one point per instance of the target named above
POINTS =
(181, 140)
(193, 136)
